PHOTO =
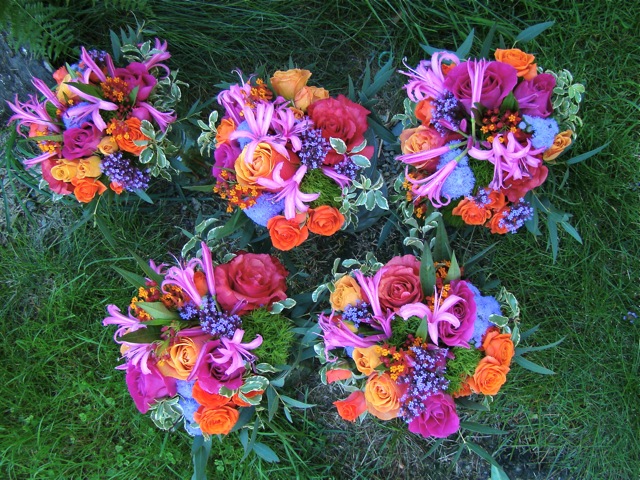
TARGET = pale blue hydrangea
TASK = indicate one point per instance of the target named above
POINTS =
(461, 181)
(485, 307)
(189, 407)
(264, 209)
(192, 429)
(242, 141)
(185, 388)
(544, 130)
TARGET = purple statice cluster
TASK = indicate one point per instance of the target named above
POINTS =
(347, 168)
(212, 321)
(357, 313)
(518, 214)
(426, 378)
(314, 148)
(461, 180)
(543, 130)
(446, 114)
(120, 170)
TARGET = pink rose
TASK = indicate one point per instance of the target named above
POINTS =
(225, 156)
(145, 389)
(534, 96)
(250, 281)
(58, 186)
(465, 312)
(137, 75)
(212, 376)
(81, 141)
(400, 282)
(340, 118)
(497, 82)
(439, 418)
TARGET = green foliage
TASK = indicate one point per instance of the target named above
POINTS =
(317, 182)
(277, 336)
(463, 365)
(402, 328)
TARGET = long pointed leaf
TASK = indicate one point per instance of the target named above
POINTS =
(532, 32)
(133, 278)
(534, 367)
(589, 154)
(427, 271)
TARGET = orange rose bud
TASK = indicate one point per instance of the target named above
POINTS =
(206, 399)
(131, 134)
(287, 234)
(200, 281)
(489, 376)
(497, 201)
(424, 109)
(116, 187)
(463, 391)
(494, 223)
(325, 220)
(338, 374)
(288, 83)
(351, 407)
(308, 95)
(347, 292)
(236, 400)
(59, 74)
(86, 188)
(108, 145)
(471, 212)
(383, 396)
(560, 143)
(367, 359)
(226, 127)
(216, 421)
(521, 61)
(498, 345)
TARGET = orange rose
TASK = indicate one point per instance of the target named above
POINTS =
(116, 187)
(463, 391)
(471, 212)
(131, 134)
(383, 396)
(265, 158)
(59, 74)
(63, 93)
(308, 95)
(288, 83)
(89, 167)
(65, 170)
(216, 421)
(338, 374)
(498, 345)
(494, 223)
(351, 407)
(521, 61)
(85, 188)
(497, 201)
(241, 403)
(489, 376)
(108, 145)
(200, 281)
(367, 359)
(182, 356)
(325, 220)
(206, 399)
(287, 234)
(424, 109)
(347, 292)
(226, 127)
(419, 139)
(560, 143)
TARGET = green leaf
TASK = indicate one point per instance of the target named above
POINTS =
(523, 350)
(295, 403)
(497, 473)
(361, 161)
(498, 320)
(534, 367)
(479, 428)
(338, 145)
(427, 271)
(589, 154)
(482, 453)
(571, 231)
(441, 248)
(133, 278)
(272, 402)
(115, 46)
(265, 453)
(200, 188)
(88, 89)
(529, 332)
(144, 266)
(465, 48)
(532, 32)
(509, 103)
(105, 230)
(143, 195)
(144, 335)
(454, 272)
(157, 310)
(486, 45)
(199, 455)
(471, 405)
(422, 331)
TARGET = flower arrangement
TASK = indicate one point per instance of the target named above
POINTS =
(411, 338)
(96, 130)
(291, 157)
(202, 342)
(479, 135)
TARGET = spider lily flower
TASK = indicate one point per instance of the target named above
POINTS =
(234, 98)
(286, 126)
(235, 351)
(125, 324)
(137, 355)
(476, 69)
(431, 187)
(289, 191)
(337, 334)
(207, 266)
(439, 314)
(370, 287)
(162, 119)
(417, 159)
(259, 122)
(91, 67)
(160, 56)
(46, 91)
(183, 278)
(427, 79)
(31, 112)
(341, 180)
(93, 107)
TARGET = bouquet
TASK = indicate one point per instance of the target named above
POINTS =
(410, 338)
(201, 342)
(480, 135)
(289, 156)
(96, 130)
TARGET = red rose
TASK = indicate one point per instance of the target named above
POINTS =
(254, 279)
(400, 282)
(340, 118)
(517, 189)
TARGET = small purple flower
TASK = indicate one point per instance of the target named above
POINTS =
(314, 148)
(120, 170)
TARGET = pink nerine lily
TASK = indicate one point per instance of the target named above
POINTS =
(417, 159)
(233, 99)
(207, 266)
(431, 187)
(125, 324)
(289, 191)
(183, 278)
(160, 55)
(427, 79)
(259, 122)
(370, 287)
(337, 334)
(93, 107)
(137, 354)
(439, 314)
(163, 119)
(286, 125)
(341, 180)
(93, 68)
(31, 112)
(235, 351)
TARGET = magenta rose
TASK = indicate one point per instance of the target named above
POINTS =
(58, 186)
(438, 419)
(250, 281)
(145, 389)
(225, 156)
(340, 118)
(497, 82)
(81, 141)
(212, 375)
(400, 282)
(465, 312)
(534, 96)
(137, 75)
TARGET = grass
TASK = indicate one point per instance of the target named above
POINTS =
(66, 413)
